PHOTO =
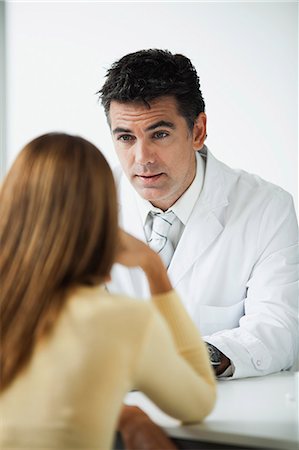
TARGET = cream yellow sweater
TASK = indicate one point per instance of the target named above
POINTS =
(70, 395)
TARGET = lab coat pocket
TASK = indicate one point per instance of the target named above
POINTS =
(211, 319)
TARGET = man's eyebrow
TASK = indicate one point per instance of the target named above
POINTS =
(161, 123)
(121, 130)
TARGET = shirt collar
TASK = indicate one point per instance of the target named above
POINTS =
(184, 205)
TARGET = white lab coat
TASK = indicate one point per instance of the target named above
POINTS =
(235, 267)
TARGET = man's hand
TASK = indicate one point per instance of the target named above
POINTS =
(225, 362)
(138, 432)
(220, 362)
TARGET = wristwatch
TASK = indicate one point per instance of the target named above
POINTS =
(214, 354)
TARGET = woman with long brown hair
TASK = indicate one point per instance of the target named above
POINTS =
(69, 349)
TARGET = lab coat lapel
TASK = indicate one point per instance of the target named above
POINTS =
(204, 224)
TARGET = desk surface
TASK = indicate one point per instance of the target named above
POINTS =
(254, 412)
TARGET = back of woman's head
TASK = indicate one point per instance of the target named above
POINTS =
(58, 228)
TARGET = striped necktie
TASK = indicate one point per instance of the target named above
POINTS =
(158, 240)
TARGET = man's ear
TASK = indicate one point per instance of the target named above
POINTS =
(199, 131)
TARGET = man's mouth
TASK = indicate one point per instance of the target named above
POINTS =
(149, 178)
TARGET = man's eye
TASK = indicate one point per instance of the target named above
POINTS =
(125, 138)
(160, 135)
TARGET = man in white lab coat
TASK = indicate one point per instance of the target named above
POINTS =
(234, 236)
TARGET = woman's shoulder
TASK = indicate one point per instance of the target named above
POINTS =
(96, 305)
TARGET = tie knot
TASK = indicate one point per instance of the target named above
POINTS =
(162, 222)
(159, 236)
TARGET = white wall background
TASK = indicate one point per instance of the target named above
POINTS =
(246, 54)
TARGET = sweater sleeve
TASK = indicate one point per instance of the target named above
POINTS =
(173, 368)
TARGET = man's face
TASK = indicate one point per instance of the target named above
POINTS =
(156, 148)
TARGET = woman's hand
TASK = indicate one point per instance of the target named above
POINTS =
(134, 253)
(138, 432)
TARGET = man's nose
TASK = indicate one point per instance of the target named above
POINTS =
(144, 153)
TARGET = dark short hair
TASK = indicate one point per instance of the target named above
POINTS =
(149, 74)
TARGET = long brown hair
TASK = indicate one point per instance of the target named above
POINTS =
(58, 229)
